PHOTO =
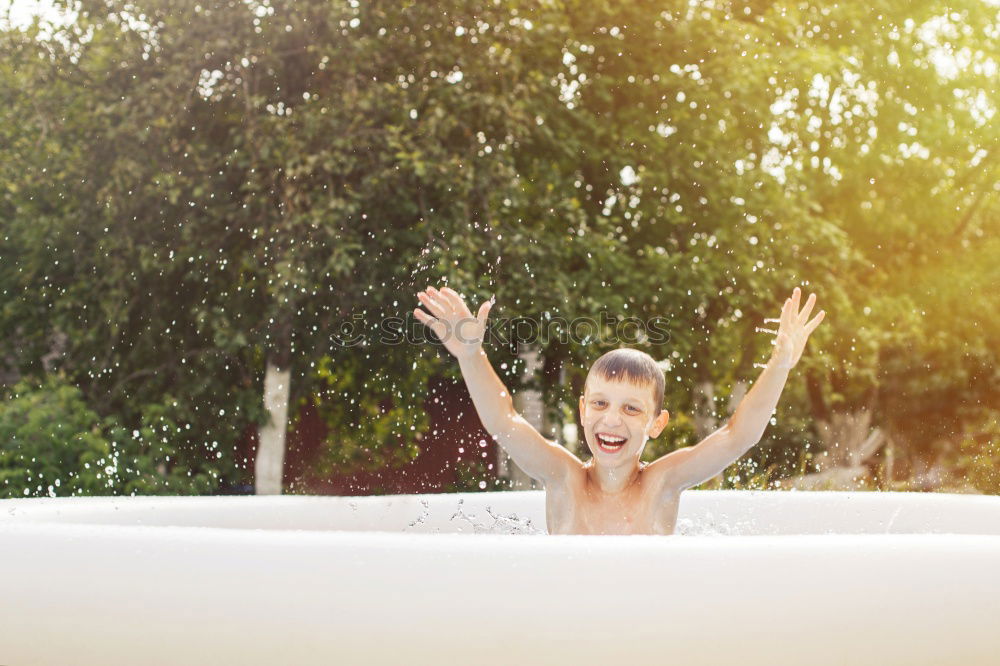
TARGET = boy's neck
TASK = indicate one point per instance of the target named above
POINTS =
(613, 480)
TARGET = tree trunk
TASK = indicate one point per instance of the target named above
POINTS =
(530, 405)
(705, 420)
(704, 414)
(270, 459)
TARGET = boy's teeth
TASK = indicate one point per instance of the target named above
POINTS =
(611, 442)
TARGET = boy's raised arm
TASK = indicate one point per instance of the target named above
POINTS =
(462, 335)
(695, 464)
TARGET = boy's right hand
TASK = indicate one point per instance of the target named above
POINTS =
(452, 321)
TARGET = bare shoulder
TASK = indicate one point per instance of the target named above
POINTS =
(571, 469)
(662, 473)
(555, 465)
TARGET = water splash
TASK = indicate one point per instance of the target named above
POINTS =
(497, 523)
(709, 525)
(511, 524)
(892, 520)
(426, 511)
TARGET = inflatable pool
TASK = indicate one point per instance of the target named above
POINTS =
(751, 578)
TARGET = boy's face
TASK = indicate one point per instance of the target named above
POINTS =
(618, 417)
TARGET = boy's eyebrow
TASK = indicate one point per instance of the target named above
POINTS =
(632, 398)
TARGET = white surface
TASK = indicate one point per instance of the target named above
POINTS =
(909, 579)
(269, 461)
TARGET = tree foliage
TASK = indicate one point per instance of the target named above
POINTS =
(187, 187)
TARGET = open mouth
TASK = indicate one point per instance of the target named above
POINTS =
(609, 443)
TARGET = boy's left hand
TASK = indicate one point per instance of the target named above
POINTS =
(793, 331)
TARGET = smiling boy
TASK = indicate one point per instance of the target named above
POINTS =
(613, 492)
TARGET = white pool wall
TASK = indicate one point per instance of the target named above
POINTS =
(280, 580)
(704, 512)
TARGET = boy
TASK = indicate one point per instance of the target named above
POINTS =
(613, 493)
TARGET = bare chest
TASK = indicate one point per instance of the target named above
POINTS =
(576, 508)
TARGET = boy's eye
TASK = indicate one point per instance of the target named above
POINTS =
(599, 403)
(635, 409)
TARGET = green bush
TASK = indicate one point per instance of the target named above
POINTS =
(53, 444)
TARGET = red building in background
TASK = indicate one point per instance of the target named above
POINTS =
(460, 439)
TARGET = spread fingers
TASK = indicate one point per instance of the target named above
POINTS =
(430, 322)
(804, 315)
(456, 300)
(433, 304)
(811, 326)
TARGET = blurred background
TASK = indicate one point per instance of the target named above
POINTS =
(201, 202)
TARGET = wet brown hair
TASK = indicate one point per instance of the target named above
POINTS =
(633, 366)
